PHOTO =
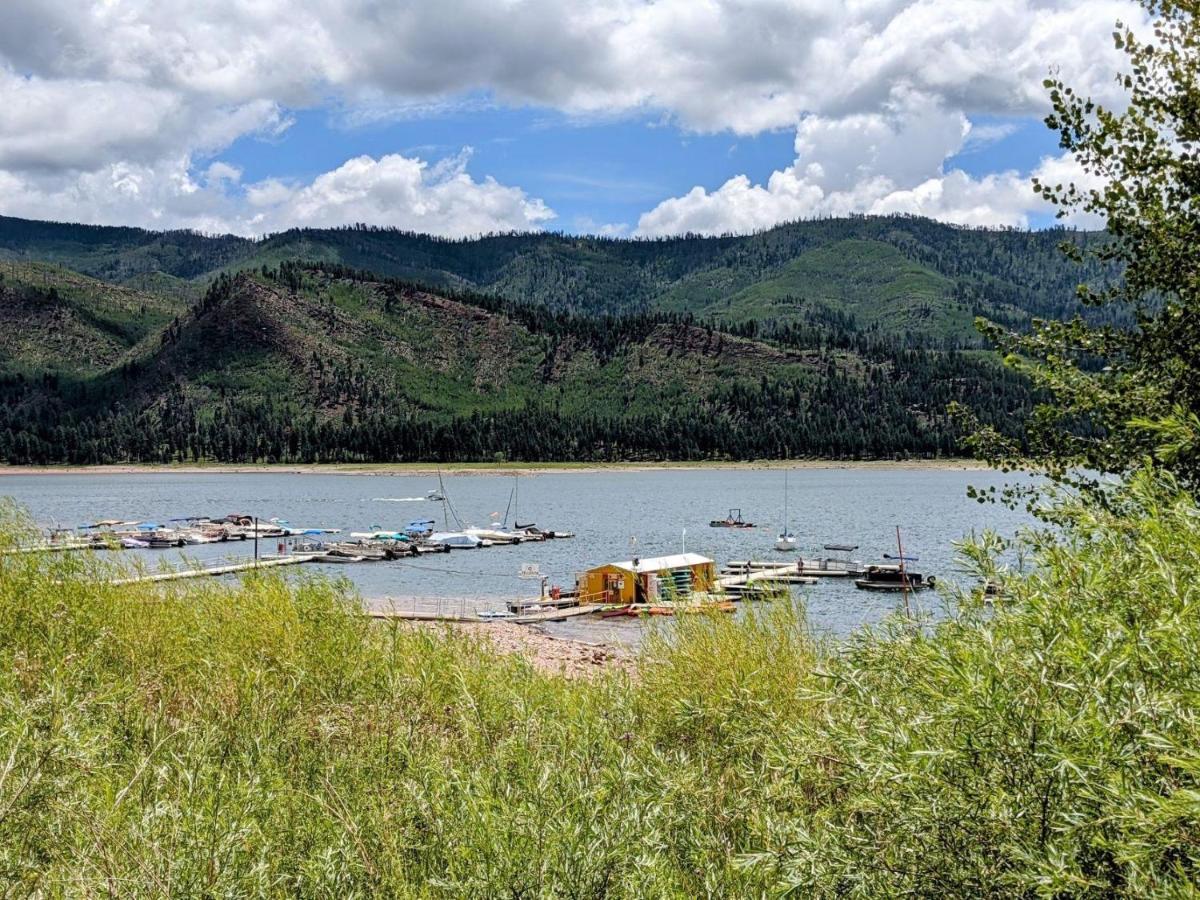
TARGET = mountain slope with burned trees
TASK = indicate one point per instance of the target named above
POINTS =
(324, 363)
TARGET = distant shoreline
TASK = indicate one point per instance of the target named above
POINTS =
(428, 469)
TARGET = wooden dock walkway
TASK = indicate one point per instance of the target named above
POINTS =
(809, 568)
(212, 571)
(407, 615)
(543, 615)
(53, 548)
(555, 615)
(754, 579)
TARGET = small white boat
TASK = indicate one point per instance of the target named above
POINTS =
(495, 614)
(496, 534)
(290, 530)
(455, 540)
(198, 537)
(435, 495)
(338, 558)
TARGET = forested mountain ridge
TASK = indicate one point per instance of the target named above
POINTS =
(307, 362)
(908, 278)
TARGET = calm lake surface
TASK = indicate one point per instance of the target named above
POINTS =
(614, 514)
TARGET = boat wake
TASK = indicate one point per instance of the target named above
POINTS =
(398, 499)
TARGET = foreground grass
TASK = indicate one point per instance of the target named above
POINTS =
(266, 739)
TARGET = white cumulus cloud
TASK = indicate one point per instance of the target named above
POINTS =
(395, 190)
(886, 162)
(105, 101)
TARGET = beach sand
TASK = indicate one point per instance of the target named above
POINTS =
(556, 656)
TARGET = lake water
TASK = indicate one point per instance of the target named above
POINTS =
(614, 514)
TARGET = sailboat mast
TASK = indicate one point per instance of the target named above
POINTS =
(442, 491)
(785, 502)
(903, 574)
(508, 508)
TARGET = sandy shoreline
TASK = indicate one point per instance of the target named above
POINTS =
(430, 469)
(553, 656)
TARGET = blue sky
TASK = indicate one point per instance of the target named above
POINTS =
(640, 117)
(590, 173)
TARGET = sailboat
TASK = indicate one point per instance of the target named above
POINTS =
(786, 540)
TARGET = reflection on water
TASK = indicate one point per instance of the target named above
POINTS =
(614, 514)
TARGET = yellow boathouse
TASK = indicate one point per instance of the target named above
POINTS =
(648, 580)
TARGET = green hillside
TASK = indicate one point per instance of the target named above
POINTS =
(923, 279)
(833, 338)
(881, 288)
(55, 319)
(310, 363)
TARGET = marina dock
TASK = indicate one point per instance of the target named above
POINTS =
(544, 615)
(407, 615)
(738, 583)
(212, 571)
(810, 568)
(54, 548)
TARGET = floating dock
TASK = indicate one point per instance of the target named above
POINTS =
(53, 548)
(810, 568)
(739, 583)
(544, 615)
(415, 616)
(536, 604)
(212, 571)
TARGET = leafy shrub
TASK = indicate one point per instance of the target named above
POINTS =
(265, 738)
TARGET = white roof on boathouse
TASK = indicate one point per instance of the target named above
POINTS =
(659, 563)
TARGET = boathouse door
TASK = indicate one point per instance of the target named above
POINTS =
(612, 588)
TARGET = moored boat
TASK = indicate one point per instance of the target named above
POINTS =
(363, 550)
(733, 520)
(893, 578)
(335, 556)
(455, 540)
(495, 534)
(786, 540)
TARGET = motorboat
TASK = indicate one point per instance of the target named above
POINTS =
(893, 578)
(364, 550)
(163, 538)
(496, 534)
(419, 528)
(192, 536)
(455, 540)
(290, 530)
(336, 556)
